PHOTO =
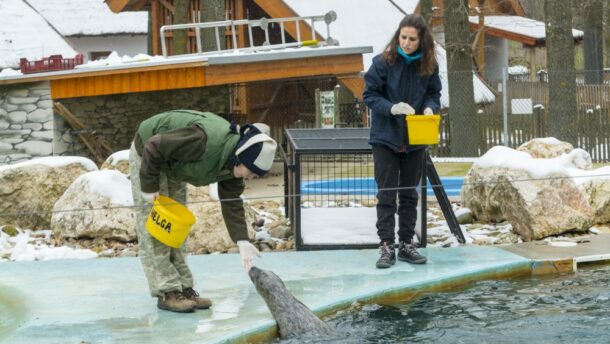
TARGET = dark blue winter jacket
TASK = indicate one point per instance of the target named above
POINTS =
(387, 85)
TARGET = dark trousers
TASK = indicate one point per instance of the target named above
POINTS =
(400, 173)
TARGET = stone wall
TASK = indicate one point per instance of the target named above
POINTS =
(115, 118)
(29, 128)
(26, 122)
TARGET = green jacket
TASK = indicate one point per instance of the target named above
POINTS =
(193, 147)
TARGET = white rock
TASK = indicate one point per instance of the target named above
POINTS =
(40, 116)
(31, 188)
(97, 205)
(17, 116)
(36, 148)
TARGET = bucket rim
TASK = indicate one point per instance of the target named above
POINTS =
(161, 201)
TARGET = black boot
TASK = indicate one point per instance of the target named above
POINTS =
(388, 256)
(408, 253)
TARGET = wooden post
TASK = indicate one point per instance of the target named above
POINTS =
(101, 151)
(318, 121)
(532, 53)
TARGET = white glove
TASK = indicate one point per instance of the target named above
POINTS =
(248, 252)
(428, 111)
(402, 109)
(149, 197)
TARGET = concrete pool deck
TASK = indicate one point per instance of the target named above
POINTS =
(107, 301)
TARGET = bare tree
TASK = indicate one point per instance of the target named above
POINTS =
(462, 126)
(607, 32)
(212, 10)
(533, 9)
(180, 37)
(594, 41)
(562, 77)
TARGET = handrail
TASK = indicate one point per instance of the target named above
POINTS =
(263, 23)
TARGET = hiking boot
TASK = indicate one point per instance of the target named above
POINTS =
(175, 301)
(200, 302)
(408, 253)
(388, 256)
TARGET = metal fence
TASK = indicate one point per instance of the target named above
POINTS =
(512, 117)
(495, 117)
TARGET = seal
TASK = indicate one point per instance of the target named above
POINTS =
(292, 316)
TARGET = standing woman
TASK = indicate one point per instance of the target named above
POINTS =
(402, 81)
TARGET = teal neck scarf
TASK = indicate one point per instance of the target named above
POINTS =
(408, 58)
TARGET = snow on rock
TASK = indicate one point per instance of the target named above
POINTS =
(97, 205)
(25, 247)
(539, 197)
(546, 147)
(117, 161)
(29, 190)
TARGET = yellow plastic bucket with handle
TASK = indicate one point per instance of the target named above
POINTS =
(423, 129)
(169, 221)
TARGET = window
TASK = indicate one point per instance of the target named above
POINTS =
(97, 55)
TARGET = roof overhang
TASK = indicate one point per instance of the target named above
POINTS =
(188, 71)
(527, 31)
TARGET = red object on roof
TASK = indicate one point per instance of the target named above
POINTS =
(49, 64)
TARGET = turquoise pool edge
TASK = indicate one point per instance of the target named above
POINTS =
(518, 267)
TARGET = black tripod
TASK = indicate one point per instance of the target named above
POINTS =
(429, 172)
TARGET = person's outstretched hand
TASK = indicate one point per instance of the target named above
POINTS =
(402, 109)
(248, 252)
(428, 111)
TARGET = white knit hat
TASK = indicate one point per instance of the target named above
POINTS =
(255, 148)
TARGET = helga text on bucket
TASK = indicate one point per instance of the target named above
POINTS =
(166, 225)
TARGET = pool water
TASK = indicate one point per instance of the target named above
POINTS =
(367, 186)
(558, 309)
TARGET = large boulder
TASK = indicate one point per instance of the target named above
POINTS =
(596, 186)
(537, 196)
(545, 148)
(30, 189)
(209, 233)
(97, 205)
(117, 161)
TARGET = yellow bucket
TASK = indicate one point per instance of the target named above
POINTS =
(169, 221)
(423, 129)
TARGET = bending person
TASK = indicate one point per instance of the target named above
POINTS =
(403, 80)
(184, 146)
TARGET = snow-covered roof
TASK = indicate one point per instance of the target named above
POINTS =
(116, 62)
(24, 33)
(519, 25)
(372, 23)
(89, 18)
(369, 23)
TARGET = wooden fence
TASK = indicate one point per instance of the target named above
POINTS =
(593, 118)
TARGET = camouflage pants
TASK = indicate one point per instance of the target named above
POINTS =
(165, 267)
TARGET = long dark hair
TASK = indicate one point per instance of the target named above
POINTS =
(426, 44)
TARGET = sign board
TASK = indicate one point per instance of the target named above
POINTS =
(326, 108)
(521, 106)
